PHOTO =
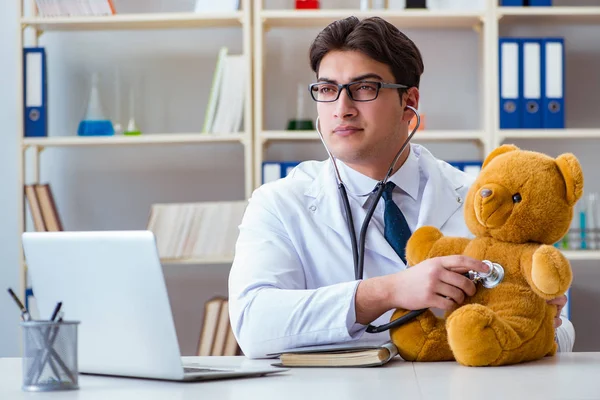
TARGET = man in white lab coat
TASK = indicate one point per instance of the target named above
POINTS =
(292, 282)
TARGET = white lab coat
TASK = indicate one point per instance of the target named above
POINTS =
(292, 280)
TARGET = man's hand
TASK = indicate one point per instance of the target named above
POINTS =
(559, 302)
(436, 282)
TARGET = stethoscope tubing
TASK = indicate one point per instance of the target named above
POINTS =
(358, 247)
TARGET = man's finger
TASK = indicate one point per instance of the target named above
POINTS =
(557, 322)
(459, 281)
(463, 264)
(558, 301)
(450, 292)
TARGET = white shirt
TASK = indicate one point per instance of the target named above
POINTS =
(292, 280)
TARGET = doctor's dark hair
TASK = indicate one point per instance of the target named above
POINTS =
(376, 38)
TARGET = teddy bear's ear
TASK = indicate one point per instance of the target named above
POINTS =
(505, 148)
(571, 171)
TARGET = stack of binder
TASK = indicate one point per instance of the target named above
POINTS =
(274, 170)
(472, 168)
(531, 79)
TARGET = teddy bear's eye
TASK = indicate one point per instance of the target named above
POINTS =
(517, 198)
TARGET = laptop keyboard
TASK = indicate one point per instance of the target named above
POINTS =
(198, 370)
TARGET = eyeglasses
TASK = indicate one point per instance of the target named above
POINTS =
(324, 92)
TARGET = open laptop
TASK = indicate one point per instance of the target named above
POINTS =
(113, 283)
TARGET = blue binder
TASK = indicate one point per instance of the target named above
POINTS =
(540, 3)
(273, 170)
(553, 83)
(511, 3)
(531, 78)
(35, 96)
(510, 82)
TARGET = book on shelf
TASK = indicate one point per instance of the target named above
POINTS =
(216, 336)
(357, 353)
(42, 207)
(225, 109)
(203, 230)
(74, 8)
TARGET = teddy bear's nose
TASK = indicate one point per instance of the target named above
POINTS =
(485, 193)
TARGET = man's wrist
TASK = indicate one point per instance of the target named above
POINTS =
(373, 298)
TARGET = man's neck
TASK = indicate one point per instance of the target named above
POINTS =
(378, 171)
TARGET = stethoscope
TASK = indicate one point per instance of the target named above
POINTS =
(491, 279)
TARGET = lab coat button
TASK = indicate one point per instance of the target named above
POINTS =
(312, 208)
(459, 199)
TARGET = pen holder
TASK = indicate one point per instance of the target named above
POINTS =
(50, 356)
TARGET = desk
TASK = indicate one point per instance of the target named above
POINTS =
(566, 376)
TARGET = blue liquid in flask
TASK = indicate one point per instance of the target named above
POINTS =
(95, 122)
(95, 128)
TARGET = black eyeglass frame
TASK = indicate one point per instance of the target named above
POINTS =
(342, 86)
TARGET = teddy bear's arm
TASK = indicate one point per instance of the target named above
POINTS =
(428, 242)
(547, 271)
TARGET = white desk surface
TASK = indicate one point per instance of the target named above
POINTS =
(566, 376)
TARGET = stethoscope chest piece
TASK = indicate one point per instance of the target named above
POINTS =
(492, 278)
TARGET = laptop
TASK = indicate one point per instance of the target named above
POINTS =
(113, 283)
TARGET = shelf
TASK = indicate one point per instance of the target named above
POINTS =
(197, 261)
(549, 14)
(144, 139)
(405, 18)
(135, 21)
(582, 254)
(548, 134)
(420, 136)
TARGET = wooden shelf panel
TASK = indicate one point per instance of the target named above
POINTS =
(144, 139)
(197, 261)
(549, 14)
(582, 254)
(513, 134)
(136, 21)
(405, 18)
(420, 136)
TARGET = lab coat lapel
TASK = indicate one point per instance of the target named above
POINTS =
(440, 196)
(327, 206)
(325, 201)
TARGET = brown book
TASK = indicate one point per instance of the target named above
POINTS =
(48, 207)
(34, 208)
(212, 312)
(231, 345)
(222, 330)
(361, 353)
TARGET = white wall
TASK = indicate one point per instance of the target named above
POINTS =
(113, 188)
(9, 271)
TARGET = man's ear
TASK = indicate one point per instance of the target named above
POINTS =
(573, 175)
(410, 98)
(505, 148)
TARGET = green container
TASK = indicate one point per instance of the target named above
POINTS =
(300, 125)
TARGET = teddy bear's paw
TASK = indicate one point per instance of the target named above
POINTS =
(420, 244)
(422, 339)
(472, 336)
(551, 273)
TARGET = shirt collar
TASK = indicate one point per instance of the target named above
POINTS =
(360, 186)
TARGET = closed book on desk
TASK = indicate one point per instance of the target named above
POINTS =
(351, 354)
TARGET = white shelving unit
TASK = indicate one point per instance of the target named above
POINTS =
(137, 21)
(146, 139)
(241, 19)
(255, 21)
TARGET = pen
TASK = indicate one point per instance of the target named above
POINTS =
(24, 313)
(56, 310)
